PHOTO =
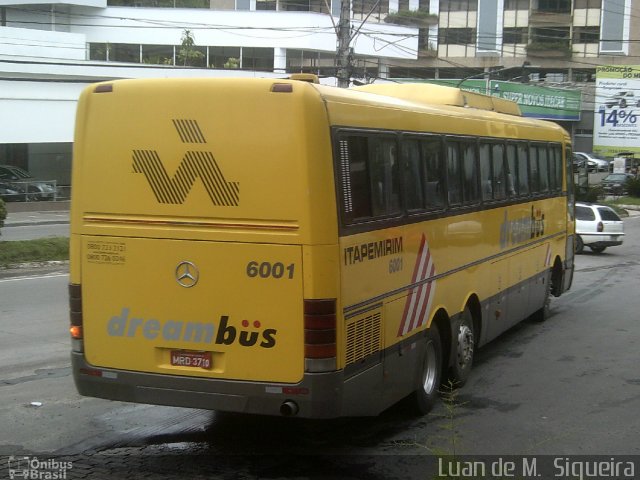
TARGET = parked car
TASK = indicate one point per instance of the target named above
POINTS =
(29, 188)
(9, 194)
(622, 100)
(594, 162)
(597, 227)
(616, 183)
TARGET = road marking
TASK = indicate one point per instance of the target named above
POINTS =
(34, 277)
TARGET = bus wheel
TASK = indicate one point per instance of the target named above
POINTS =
(463, 345)
(543, 312)
(427, 393)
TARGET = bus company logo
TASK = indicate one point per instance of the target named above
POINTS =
(520, 229)
(251, 333)
(187, 274)
(194, 165)
(418, 303)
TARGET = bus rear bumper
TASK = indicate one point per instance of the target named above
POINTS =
(318, 395)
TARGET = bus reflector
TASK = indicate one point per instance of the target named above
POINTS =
(75, 304)
(282, 88)
(75, 317)
(103, 88)
(320, 334)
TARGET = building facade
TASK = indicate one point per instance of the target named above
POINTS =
(51, 49)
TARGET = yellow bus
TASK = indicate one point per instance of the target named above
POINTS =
(281, 247)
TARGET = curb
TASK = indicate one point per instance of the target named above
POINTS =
(37, 222)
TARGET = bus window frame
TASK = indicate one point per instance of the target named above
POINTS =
(344, 133)
(460, 140)
(408, 215)
(421, 138)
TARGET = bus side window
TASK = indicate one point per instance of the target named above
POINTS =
(434, 173)
(384, 176)
(499, 177)
(534, 171)
(413, 175)
(485, 171)
(543, 167)
(454, 182)
(523, 169)
(470, 189)
(512, 170)
(354, 154)
(555, 166)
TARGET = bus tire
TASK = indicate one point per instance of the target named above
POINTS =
(543, 313)
(429, 381)
(463, 344)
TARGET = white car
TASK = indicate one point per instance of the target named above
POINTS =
(593, 162)
(622, 100)
(597, 227)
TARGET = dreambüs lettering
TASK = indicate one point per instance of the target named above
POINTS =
(194, 332)
(521, 229)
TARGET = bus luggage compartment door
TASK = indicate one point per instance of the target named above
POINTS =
(198, 308)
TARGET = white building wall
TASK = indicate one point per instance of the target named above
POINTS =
(37, 111)
(295, 30)
(22, 42)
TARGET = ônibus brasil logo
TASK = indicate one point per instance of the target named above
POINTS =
(194, 165)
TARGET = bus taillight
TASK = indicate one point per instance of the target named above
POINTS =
(75, 316)
(320, 347)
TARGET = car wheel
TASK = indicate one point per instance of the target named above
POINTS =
(463, 346)
(598, 249)
(427, 392)
(623, 103)
(579, 244)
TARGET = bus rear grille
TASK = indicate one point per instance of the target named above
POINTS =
(363, 337)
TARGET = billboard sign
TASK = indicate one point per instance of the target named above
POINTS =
(535, 102)
(616, 127)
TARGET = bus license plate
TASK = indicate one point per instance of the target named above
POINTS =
(185, 358)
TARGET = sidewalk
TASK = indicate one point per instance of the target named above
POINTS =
(36, 213)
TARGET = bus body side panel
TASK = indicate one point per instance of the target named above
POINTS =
(394, 280)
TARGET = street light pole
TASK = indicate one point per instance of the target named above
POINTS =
(344, 40)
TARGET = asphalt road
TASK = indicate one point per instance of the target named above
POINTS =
(570, 386)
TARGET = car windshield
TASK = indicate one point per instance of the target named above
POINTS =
(615, 177)
(18, 172)
(9, 172)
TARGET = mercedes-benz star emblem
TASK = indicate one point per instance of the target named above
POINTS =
(187, 274)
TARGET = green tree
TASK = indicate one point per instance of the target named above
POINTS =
(633, 187)
(188, 54)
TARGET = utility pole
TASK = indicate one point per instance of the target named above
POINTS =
(343, 54)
